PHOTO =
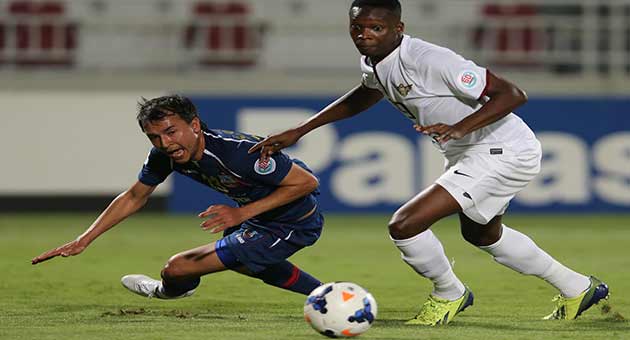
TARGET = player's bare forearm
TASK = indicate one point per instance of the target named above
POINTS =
(124, 205)
(504, 98)
(357, 100)
(296, 184)
(121, 207)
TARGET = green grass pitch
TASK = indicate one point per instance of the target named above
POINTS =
(81, 297)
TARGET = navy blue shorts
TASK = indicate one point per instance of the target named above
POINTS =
(257, 244)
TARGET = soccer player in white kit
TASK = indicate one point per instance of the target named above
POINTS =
(491, 154)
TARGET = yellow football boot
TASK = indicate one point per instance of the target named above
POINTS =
(436, 311)
(569, 309)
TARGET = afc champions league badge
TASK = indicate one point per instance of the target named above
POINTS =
(265, 167)
(469, 79)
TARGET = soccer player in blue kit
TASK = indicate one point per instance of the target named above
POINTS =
(277, 212)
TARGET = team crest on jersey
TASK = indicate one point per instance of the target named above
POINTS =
(266, 167)
(251, 235)
(468, 79)
(404, 89)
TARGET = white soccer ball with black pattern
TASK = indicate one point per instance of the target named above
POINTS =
(340, 309)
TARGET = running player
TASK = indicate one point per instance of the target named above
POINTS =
(277, 212)
(491, 154)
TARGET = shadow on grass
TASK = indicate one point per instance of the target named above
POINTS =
(176, 313)
(196, 313)
(462, 322)
(548, 326)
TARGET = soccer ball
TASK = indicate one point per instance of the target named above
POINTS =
(340, 309)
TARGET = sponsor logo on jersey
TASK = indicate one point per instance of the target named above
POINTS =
(404, 89)
(266, 167)
(228, 180)
(469, 79)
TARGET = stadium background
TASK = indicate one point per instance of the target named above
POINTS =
(72, 72)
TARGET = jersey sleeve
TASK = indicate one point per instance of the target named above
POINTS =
(462, 77)
(156, 168)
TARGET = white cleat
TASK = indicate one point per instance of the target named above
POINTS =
(146, 286)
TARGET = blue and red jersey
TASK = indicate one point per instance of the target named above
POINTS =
(227, 167)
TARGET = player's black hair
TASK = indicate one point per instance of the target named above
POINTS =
(392, 5)
(150, 110)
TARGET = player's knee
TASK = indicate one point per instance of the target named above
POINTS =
(401, 226)
(396, 228)
(173, 269)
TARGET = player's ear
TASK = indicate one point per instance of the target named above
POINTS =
(196, 125)
(400, 28)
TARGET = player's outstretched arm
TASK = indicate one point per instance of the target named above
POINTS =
(355, 101)
(297, 183)
(121, 207)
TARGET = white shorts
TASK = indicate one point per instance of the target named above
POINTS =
(484, 182)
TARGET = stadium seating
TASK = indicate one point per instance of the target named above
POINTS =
(223, 34)
(37, 33)
(510, 32)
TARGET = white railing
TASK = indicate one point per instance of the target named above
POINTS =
(217, 40)
(36, 35)
(570, 36)
(575, 36)
(55, 50)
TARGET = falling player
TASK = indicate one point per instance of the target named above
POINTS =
(277, 212)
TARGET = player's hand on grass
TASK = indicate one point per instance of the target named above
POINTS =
(220, 217)
(442, 133)
(275, 143)
(68, 249)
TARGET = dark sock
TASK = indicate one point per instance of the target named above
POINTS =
(173, 288)
(287, 276)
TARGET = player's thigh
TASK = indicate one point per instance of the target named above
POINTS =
(194, 262)
(419, 213)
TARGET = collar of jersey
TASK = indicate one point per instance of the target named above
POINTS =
(391, 55)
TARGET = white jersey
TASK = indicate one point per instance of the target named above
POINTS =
(431, 84)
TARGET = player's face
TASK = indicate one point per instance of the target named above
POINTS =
(376, 32)
(181, 141)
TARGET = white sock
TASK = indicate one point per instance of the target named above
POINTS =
(425, 254)
(517, 251)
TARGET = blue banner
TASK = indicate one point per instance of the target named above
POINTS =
(375, 161)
